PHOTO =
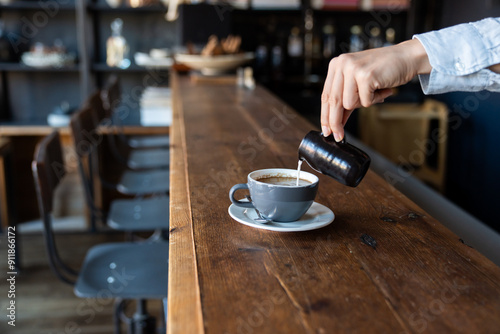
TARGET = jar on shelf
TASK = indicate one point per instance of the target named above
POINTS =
(117, 47)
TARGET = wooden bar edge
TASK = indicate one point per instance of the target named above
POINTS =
(184, 301)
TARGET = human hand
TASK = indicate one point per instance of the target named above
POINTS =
(365, 78)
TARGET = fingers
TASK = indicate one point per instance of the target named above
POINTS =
(325, 97)
(333, 101)
(348, 86)
(350, 93)
(336, 107)
(325, 128)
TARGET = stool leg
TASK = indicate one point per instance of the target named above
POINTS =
(143, 322)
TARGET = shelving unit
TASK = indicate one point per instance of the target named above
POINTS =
(84, 26)
(25, 23)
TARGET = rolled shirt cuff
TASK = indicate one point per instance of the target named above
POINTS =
(460, 55)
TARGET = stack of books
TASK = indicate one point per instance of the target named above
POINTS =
(156, 106)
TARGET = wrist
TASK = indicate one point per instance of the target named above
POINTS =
(418, 59)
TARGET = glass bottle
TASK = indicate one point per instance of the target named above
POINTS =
(116, 46)
(375, 38)
(295, 43)
(390, 35)
(329, 40)
(356, 43)
(6, 51)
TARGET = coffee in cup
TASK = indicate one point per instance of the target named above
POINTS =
(285, 181)
(275, 194)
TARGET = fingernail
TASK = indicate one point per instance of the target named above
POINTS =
(337, 137)
(326, 131)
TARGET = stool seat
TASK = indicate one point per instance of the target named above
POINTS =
(149, 141)
(144, 182)
(139, 214)
(128, 270)
(149, 158)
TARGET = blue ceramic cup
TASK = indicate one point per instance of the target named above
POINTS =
(279, 202)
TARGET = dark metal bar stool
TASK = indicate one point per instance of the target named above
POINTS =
(122, 271)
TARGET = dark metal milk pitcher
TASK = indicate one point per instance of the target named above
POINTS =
(339, 160)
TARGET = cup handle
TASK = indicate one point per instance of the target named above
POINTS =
(234, 200)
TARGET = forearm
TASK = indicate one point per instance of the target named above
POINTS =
(495, 68)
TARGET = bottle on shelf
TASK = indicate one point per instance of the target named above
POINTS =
(375, 40)
(329, 40)
(6, 51)
(390, 36)
(261, 55)
(277, 62)
(356, 42)
(117, 47)
(295, 45)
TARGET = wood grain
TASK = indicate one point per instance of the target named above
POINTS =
(420, 276)
(184, 306)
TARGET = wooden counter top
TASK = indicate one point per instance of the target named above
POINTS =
(226, 277)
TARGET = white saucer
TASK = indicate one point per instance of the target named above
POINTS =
(317, 216)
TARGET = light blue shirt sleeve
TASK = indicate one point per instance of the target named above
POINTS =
(460, 57)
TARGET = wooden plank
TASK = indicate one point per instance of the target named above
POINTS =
(419, 277)
(136, 130)
(30, 130)
(44, 130)
(184, 306)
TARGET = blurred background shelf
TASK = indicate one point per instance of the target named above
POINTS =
(101, 7)
(35, 5)
(103, 67)
(20, 67)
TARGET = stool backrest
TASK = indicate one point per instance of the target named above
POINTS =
(48, 171)
(111, 94)
(84, 131)
(95, 102)
(86, 139)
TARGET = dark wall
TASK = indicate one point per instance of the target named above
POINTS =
(473, 180)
